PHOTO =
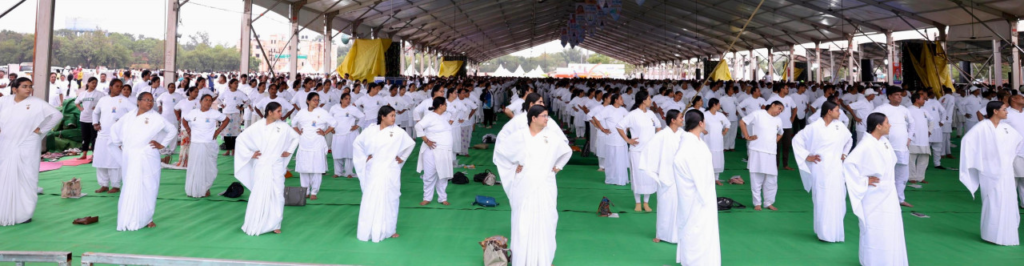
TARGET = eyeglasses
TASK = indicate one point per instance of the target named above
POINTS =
(146, 100)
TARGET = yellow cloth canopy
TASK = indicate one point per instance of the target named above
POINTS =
(365, 60)
(721, 72)
(449, 68)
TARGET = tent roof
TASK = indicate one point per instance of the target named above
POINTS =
(656, 31)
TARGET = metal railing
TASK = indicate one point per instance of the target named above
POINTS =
(127, 259)
(21, 257)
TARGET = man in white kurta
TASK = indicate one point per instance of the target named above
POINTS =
(140, 134)
(869, 172)
(820, 149)
(659, 162)
(23, 123)
(107, 158)
(1015, 118)
(262, 154)
(987, 153)
(379, 153)
(899, 136)
(920, 148)
(762, 130)
(697, 220)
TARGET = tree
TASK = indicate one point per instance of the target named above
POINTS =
(599, 59)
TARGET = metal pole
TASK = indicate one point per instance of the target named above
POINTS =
(792, 65)
(328, 28)
(244, 43)
(817, 61)
(849, 58)
(43, 49)
(998, 64)
(293, 43)
(171, 40)
(890, 54)
(771, 65)
(1015, 56)
(12, 8)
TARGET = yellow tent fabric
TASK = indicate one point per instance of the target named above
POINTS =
(449, 68)
(721, 72)
(933, 68)
(797, 70)
(365, 60)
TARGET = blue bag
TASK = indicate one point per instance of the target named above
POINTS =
(485, 201)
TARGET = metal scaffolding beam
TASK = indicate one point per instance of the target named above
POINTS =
(43, 48)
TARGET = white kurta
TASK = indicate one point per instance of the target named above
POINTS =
(533, 192)
(823, 179)
(658, 161)
(108, 111)
(641, 126)
(202, 169)
(437, 128)
(141, 165)
(881, 220)
(264, 176)
(986, 160)
(505, 146)
(344, 118)
(19, 163)
(697, 220)
(312, 154)
(715, 124)
(380, 179)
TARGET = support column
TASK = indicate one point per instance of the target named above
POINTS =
(401, 58)
(792, 65)
(831, 66)
(817, 61)
(42, 51)
(1015, 55)
(754, 63)
(328, 32)
(243, 43)
(890, 57)
(423, 58)
(171, 41)
(293, 45)
(771, 65)
(849, 58)
(997, 63)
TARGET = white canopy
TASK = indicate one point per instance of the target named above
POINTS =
(519, 72)
(536, 73)
(501, 72)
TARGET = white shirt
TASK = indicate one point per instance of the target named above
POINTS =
(203, 124)
(787, 109)
(766, 127)
(901, 122)
(166, 104)
(801, 102)
(88, 101)
(232, 99)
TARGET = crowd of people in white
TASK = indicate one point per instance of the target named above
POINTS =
(851, 141)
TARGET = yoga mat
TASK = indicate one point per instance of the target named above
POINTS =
(49, 166)
(76, 161)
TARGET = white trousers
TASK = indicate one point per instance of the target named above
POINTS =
(109, 177)
(902, 176)
(730, 136)
(918, 164)
(937, 152)
(311, 182)
(432, 182)
(770, 183)
(946, 144)
(344, 167)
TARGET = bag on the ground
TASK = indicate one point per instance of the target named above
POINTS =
(485, 201)
(294, 196)
(235, 190)
(604, 209)
(496, 251)
(479, 178)
(460, 178)
(489, 138)
(490, 179)
(725, 204)
(71, 188)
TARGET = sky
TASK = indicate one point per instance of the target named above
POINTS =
(149, 19)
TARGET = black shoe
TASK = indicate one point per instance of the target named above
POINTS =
(940, 167)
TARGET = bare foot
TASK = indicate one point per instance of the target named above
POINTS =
(773, 208)
(600, 169)
(656, 240)
(912, 181)
(647, 208)
(151, 225)
(424, 203)
(445, 203)
(757, 208)
(337, 176)
(227, 153)
(395, 235)
(638, 208)
(102, 189)
(207, 193)
(313, 197)
(787, 168)
(349, 176)
(905, 204)
(114, 190)
(718, 182)
(278, 231)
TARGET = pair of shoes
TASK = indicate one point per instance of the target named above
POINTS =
(86, 220)
(940, 167)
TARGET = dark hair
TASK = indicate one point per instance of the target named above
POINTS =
(145, 72)
(991, 107)
(892, 90)
(641, 96)
(711, 103)
(450, 91)
(774, 103)
(534, 111)
(531, 98)
(126, 87)
(19, 81)
(671, 115)
(139, 98)
(343, 95)
(309, 97)
(206, 96)
(271, 107)
(232, 81)
(384, 111)
(111, 84)
(827, 106)
(692, 119)
(438, 102)
(875, 119)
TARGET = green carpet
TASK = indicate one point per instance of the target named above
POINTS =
(324, 230)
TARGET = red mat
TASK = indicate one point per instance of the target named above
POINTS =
(49, 166)
(76, 161)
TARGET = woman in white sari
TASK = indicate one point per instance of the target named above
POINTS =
(820, 150)
(202, 126)
(532, 189)
(141, 134)
(264, 175)
(23, 124)
(716, 122)
(871, 183)
(436, 154)
(616, 155)
(312, 123)
(379, 153)
(346, 118)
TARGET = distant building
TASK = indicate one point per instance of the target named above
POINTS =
(82, 24)
(310, 53)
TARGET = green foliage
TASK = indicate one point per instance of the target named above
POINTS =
(120, 50)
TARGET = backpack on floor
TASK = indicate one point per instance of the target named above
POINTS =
(479, 178)
(604, 209)
(490, 179)
(235, 190)
(496, 251)
(485, 201)
(460, 178)
(725, 204)
(294, 196)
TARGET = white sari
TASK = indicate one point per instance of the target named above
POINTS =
(380, 179)
(264, 176)
(19, 163)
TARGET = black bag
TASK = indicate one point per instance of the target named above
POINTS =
(235, 190)
(294, 196)
(725, 204)
(480, 177)
(460, 178)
